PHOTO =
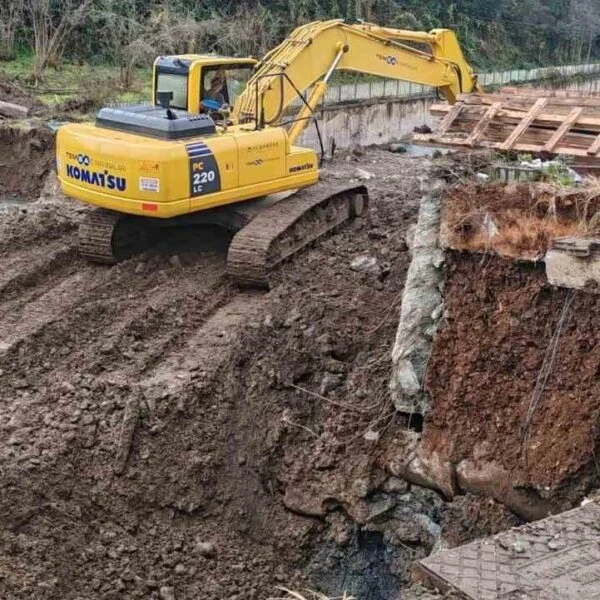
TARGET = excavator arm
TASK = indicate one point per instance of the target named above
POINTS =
(310, 55)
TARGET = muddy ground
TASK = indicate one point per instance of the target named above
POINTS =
(164, 435)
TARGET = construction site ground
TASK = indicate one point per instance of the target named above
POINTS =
(166, 435)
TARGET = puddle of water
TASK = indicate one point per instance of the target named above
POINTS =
(10, 201)
(417, 150)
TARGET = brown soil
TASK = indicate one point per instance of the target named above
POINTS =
(517, 220)
(76, 106)
(26, 159)
(500, 319)
(163, 433)
(11, 92)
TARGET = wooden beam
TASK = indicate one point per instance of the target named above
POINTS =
(591, 104)
(562, 130)
(536, 149)
(482, 125)
(474, 113)
(449, 119)
(522, 147)
(535, 92)
(524, 124)
(594, 148)
(16, 111)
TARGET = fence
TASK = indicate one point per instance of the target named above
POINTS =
(388, 88)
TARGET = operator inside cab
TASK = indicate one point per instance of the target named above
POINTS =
(216, 90)
(217, 84)
(221, 85)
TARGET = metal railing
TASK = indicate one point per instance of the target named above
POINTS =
(388, 88)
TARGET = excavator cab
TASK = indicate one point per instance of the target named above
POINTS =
(200, 83)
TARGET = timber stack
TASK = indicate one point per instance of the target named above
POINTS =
(522, 119)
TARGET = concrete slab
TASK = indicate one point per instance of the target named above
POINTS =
(557, 558)
(573, 262)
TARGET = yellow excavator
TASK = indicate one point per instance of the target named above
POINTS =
(217, 144)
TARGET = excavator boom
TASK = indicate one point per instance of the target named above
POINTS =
(315, 50)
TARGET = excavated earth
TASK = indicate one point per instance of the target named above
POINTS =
(165, 435)
(514, 375)
(500, 319)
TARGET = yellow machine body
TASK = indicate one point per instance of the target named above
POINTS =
(128, 173)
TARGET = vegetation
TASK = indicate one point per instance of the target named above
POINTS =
(127, 34)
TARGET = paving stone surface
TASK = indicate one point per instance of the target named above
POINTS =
(557, 558)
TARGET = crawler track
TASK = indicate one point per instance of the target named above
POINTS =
(288, 226)
(108, 237)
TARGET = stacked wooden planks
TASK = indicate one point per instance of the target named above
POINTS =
(523, 119)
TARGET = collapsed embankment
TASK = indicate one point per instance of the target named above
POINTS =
(514, 376)
(512, 380)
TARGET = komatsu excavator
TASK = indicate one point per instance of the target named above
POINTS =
(217, 144)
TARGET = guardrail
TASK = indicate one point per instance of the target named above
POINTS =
(389, 88)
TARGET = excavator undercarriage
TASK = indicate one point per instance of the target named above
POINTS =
(266, 231)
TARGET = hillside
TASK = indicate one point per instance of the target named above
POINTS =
(503, 33)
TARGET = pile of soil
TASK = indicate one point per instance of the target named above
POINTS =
(11, 92)
(518, 220)
(500, 320)
(26, 159)
(164, 435)
(76, 106)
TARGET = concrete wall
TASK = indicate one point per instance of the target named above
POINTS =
(368, 123)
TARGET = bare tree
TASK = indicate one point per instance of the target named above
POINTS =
(133, 39)
(135, 54)
(52, 23)
(584, 25)
(250, 32)
(11, 16)
(124, 41)
(175, 33)
(364, 9)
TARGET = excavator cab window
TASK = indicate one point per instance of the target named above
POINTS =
(223, 84)
(175, 83)
(171, 74)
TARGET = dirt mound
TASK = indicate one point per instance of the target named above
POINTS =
(517, 220)
(26, 160)
(501, 317)
(73, 106)
(11, 92)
